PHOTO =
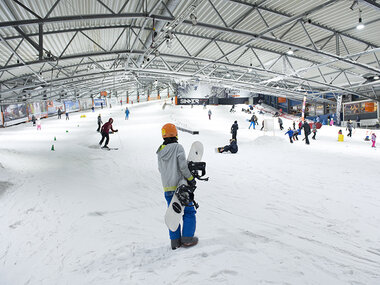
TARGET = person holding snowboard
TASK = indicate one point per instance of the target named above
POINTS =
(174, 170)
(105, 131)
(232, 147)
(234, 129)
(99, 123)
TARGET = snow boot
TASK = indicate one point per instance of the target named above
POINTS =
(189, 241)
(106, 147)
(175, 243)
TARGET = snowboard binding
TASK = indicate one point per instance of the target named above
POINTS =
(185, 195)
(198, 170)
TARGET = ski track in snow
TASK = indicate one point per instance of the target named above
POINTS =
(274, 213)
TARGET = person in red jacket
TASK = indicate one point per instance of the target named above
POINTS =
(105, 132)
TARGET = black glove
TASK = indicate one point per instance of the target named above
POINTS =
(116, 131)
(191, 182)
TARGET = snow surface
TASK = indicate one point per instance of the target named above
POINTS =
(274, 213)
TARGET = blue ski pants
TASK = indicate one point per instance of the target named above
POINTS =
(189, 220)
(252, 124)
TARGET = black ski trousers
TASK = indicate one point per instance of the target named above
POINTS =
(99, 125)
(315, 133)
(105, 136)
(349, 133)
(307, 138)
(234, 135)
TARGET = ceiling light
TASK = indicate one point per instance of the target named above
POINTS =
(290, 51)
(360, 25)
(228, 75)
(376, 77)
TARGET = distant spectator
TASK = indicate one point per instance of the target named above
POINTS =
(209, 114)
(373, 139)
(59, 113)
(34, 120)
(67, 116)
(349, 128)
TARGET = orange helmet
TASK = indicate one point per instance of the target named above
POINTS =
(169, 131)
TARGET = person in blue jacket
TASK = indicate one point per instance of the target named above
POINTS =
(290, 134)
(126, 113)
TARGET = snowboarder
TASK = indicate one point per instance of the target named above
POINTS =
(314, 130)
(34, 120)
(105, 130)
(373, 139)
(126, 113)
(262, 126)
(294, 125)
(280, 123)
(290, 134)
(59, 113)
(252, 120)
(209, 114)
(232, 147)
(349, 128)
(174, 171)
(306, 128)
(295, 135)
(67, 116)
(234, 129)
(99, 123)
(232, 108)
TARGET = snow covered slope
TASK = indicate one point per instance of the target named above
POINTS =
(274, 213)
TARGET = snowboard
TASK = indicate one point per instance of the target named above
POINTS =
(110, 148)
(175, 210)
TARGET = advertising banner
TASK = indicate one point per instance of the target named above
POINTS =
(14, 114)
(194, 91)
(85, 104)
(38, 109)
(99, 102)
(53, 106)
(191, 101)
(71, 106)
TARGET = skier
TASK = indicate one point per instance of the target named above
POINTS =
(306, 128)
(232, 147)
(232, 108)
(209, 114)
(234, 129)
(314, 130)
(290, 134)
(280, 123)
(373, 139)
(252, 120)
(101, 105)
(174, 171)
(59, 113)
(67, 116)
(294, 125)
(34, 120)
(99, 123)
(126, 113)
(349, 128)
(105, 130)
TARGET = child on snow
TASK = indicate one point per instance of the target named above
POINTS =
(373, 139)
(290, 134)
(174, 171)
(38, 124)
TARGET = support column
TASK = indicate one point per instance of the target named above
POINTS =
(41, 41)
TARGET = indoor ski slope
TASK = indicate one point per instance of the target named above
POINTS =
(274, 213)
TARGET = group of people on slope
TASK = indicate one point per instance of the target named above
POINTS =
(293, 134)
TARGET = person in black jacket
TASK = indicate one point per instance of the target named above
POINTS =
(59, 113)
(306, 128)
(232, 147)
(99, 123)
(234, 129)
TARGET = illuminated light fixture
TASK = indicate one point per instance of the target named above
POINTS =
(290, 51)
(360, 25)
(250, 66)
(228, 75)
(376, 77)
